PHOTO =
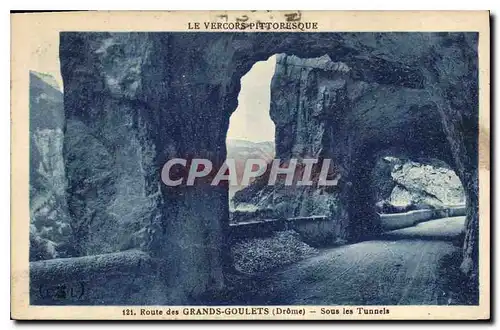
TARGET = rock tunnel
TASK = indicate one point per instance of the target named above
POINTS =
(135, 100)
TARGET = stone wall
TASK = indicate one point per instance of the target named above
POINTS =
(412, 218)
(123, 278)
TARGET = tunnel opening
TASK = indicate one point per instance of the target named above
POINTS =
(251, 132)
(280, 120)
(275, 224)
(410, 190)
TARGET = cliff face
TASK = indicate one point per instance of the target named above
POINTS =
(134, 100)
(401, 183)
(50, 230)
(309, 97)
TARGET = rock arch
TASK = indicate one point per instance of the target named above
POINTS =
(134, 100)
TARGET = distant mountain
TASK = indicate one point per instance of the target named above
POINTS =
(244, 149)
(241, 150)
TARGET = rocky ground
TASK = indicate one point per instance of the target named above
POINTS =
(260, 255)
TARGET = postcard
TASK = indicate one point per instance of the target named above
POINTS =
(259, 165)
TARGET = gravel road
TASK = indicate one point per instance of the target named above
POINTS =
(399, 268)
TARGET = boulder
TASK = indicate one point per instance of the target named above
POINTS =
(401, 185)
